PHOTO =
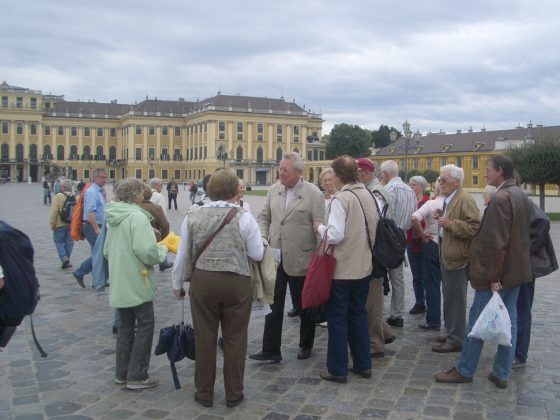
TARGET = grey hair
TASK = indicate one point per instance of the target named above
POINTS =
(420, 180)
(390, 166)
(454, 171)
(325, 172)
(129, 188)
(154, 182)
(98, 172)
(67, 184)
(490, 190)
(296, 159)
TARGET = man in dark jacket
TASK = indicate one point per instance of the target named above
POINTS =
(499, 262)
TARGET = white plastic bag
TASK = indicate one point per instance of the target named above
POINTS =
(493, 323)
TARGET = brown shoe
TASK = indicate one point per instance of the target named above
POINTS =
(500, 383)
(446, 348)
(441, 339)
(452, 376)
(326, 376)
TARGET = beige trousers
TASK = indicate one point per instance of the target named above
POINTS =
(379, 330)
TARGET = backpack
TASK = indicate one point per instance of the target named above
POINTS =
(67, 209)
(390, 243)
(20, 294)
(77, 217)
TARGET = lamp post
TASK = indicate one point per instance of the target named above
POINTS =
(407, 137)
(222, 155)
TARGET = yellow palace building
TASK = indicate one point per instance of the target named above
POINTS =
(154, 138)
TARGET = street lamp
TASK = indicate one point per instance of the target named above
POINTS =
(407, 137)
(222, 155)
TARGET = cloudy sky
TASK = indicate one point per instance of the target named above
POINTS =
(440, 64)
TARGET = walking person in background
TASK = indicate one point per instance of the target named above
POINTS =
(61, 235)
(132, 250)
(193, 188)
(157, 198)
(414, 249)
(172, 192)
(46, 192)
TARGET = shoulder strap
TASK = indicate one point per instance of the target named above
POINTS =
(382, 213)
(229, 217)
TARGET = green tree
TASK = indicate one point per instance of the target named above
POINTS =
(346, 139)
(538, 163)
(382, 137)
(430, 176)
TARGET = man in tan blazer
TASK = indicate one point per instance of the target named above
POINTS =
(286, 222)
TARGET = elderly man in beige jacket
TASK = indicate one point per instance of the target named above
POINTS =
(286, 222)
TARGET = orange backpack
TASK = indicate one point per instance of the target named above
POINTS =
(77, 217)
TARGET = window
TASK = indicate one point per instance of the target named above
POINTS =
(475, 162)
(47, 151)
(113, 153)
(74, 131)
(33, 129)
(86, 173)
(259, 154)
(19, 152)
(164, 131)
(240, 173)
(99, 132)
(151, 173)
(221, 136)
(113, 132)
(138, 155)
(73, 153)
(309, 155)
(87, 153)
(475, 180)
(5, 151)
(205, 152)
(164, 174)
(33, 103)
(60, 130)
(429, 163)
(260, 128)
(177, 156)
(239, 136)
(138, 130)
(138, 173)
(221, 126)
(239, 154)
(33, 151)
(459, 161)
(19, 102)
(4, 102)
(278, 155)
(151, 130)
(47, 130)
(19, 128)
(260, 137)
(240, 127)
(177, 174)
(112, 174)
(99, 153)
(443, 161)
(164, 154)
(5, 127)
(279, 132)
(60, 152)
(151, 153)
(87, 132)
(296, 133)
(177, 131)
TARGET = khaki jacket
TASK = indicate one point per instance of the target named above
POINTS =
(58, 203)
(464, 216)
(500, 251)
(291, 230)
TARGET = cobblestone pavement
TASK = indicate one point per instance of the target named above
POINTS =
(76, 380)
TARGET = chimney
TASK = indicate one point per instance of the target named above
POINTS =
(483, 129)
(470, 129)
(530, 125)
(181, 99)
(458, 131)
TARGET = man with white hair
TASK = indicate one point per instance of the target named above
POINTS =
(61, 228)
(404, 204)
(458, 222)
(157, 198)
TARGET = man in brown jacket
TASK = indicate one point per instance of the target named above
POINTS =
(458, 223)
(500, 262)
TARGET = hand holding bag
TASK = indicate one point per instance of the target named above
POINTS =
(319, 277)
(493, 323)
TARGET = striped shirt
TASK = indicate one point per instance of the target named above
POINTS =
(404, 202)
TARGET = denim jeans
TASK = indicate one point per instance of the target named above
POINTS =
(46, 195)
(348, 326)
(91, 237)
(524, 320)
(431, 274)
(415, 260)
(472, 347)
(63, 242)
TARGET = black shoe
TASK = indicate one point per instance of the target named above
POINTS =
(304, 354)
(266, 356)
(378, 355)
(390, 339)
(79, 279)
(165, 266)
(204, 403)
(429, 327)
(293, 312)
(365, 373)
(326, 376)
(395, 322)
(221, 342)
(417, 309)
(234, 403)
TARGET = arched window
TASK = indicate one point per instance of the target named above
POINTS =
(19, 152)
(5, 151)
(87, 152)
(60, 152)
(47, 151)
(99, 153)
(33, 151)
(74, 152)
(296, 150)
(239, 154)
(278, 155)
(112, 153)
(259, 154)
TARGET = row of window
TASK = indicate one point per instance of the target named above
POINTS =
(59, 130)
(19, 102)
(47, 152)
(190, 174)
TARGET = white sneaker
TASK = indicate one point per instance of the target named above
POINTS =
(146, 383)
(323, 324)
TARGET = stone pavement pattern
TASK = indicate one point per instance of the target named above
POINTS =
(76, 380)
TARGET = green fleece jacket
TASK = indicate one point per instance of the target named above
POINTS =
(131, 249)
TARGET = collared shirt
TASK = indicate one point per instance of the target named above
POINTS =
(94, 202)
(404, 202)
(250, 233)
(446, 203)
(291, 192)
(158, 199)
(426, 214)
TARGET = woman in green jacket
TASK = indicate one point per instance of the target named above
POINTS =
(132, 250)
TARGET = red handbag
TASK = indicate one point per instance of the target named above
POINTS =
(319, 277)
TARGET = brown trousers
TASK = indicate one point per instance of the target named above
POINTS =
(379, 330)
(220, 298)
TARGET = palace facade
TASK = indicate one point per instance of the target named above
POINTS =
(154, 138)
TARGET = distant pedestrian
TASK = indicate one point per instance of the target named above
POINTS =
(46, 192)
(193, 188)
(172, 192)
(61, 233)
